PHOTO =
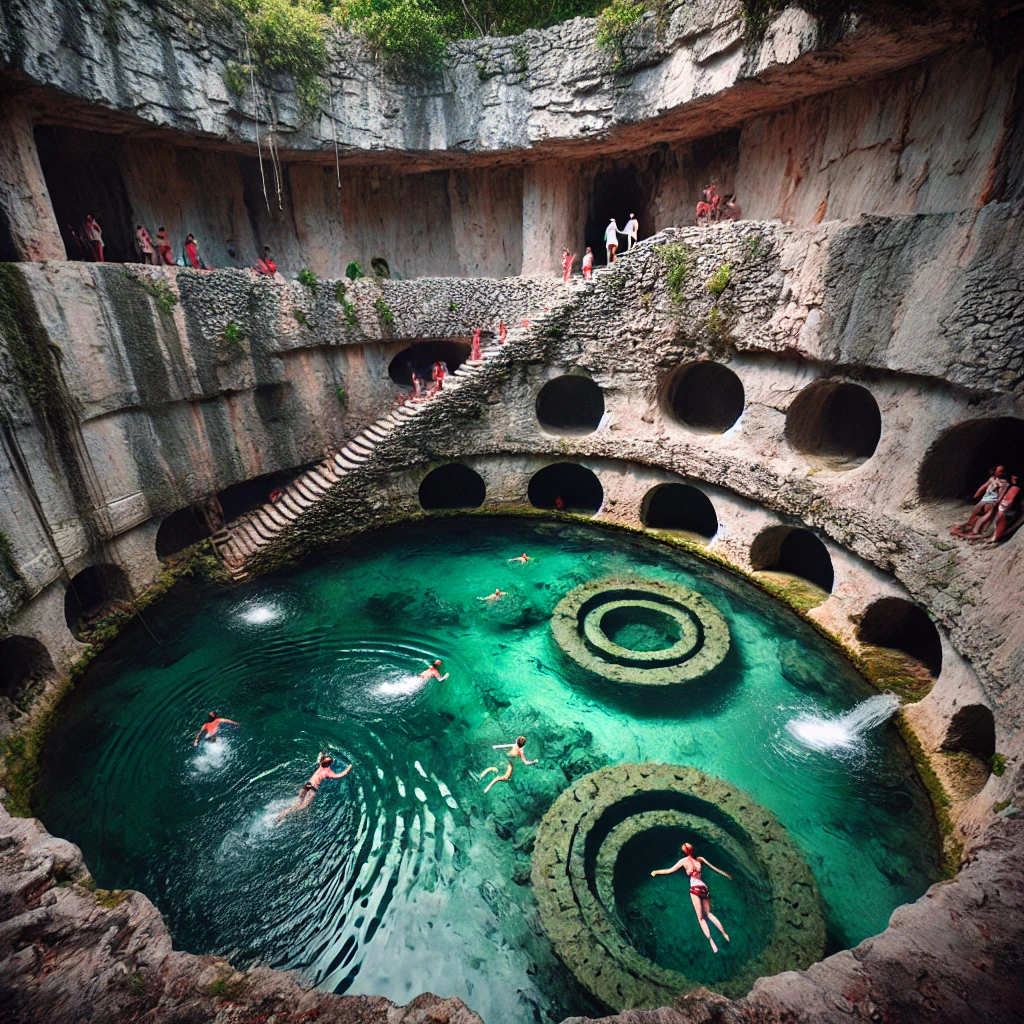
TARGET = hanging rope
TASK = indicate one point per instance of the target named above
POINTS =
(334, 133)
(256, 118)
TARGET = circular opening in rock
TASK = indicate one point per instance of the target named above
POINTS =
(794, 551)
(705, 396)
(567, 487)
(420, 358)
(972, 730)
(570, 405)
(837, 421)
(452, 486)
(181, 530)
(903, 626)
(640, 628)
(92, 593)
(962, 458)
(679, 507)
(24, 661)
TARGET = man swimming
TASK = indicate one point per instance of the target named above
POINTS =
(514, 750)
(434, 672)
(522, 559)
(308, 790)
(210, 728)
(496, 596)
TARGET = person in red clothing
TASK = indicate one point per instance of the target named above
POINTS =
(475, 350)
(94, 237)
(588, 264)
(266, 265)
(163, 248)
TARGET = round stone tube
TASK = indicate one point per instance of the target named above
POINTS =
(602, 817)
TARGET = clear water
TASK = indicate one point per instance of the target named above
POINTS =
(403, 877)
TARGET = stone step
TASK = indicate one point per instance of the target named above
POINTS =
(291, 505)
(260, 530)
(301, 500)
(362, 443)
(353, 456)
(313, 476)
(275, 515)
(305, 490)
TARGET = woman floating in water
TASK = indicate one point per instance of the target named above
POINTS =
(514, 750)
(699, 895)
(496, 596)
(523, 558)
(308, 790)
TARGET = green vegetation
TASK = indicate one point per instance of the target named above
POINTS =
(347, 307)
(453, 306)
(719, 280)
(287, 35)
(893, 671)
(111, 898)
(615, 22)
(678, 260)
(236, 77)
(300, 317)
(227, 986)
(161, 291)
(997, 762)
(383, 311)
(405, 34)
(309, 281)
(752, 248)
(353, 271)
(342, 395)
(1000, 805)
(231, 339)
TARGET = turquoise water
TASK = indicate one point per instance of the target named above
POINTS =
(404, 877)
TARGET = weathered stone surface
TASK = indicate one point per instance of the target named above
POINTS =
(70, 953)
(701, 648)
(581, 920)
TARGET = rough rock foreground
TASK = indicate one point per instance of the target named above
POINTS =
(71, 954)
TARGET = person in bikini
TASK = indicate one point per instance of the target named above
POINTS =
(308, 790)
(211, 727)
(434, 672)
(699, 895)
(522, 559)
(515, 750)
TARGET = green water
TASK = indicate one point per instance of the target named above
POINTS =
(403, 877)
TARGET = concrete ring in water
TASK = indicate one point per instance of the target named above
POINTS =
(641, 632)
(596, 824)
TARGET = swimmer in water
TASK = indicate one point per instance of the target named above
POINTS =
(210, 728)
(496, 596)
(699, 895)
(522, 559)
(434, 672)
(308, 790)
(514, 750)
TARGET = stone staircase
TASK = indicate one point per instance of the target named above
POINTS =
(244, 537)
(254, 531)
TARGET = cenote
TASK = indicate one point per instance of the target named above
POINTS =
(404, 877)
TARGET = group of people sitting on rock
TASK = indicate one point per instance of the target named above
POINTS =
(998, 507)
(713, 208)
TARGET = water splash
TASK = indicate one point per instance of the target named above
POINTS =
(402, 687)
(844, 732)
(260, 614)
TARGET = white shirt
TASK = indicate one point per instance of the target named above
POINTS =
(632, 227)
(611, 234)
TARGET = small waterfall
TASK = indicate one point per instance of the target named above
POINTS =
(844, 732)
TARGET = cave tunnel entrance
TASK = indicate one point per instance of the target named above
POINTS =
(705, 396)
(679, 507)
(795, 551)
(83, 176)
(958, 462)
(972, 729)
(181, 530)
(569, 405)
(617, 192)
(92, 593)
(835, 420)
(243, 497)
(24, 662)
(452, 486)
(574, 485)
(420, 357)
(903, 626)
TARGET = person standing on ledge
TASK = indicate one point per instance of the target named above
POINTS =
(145, 245)
(192, 254)
(588, 265)
(94, 237)
(515, 750)
(611, 240)
(163, 247)
(699, 895)
(632, 230)
(308, 790)
(434, 672)
(211, 727)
